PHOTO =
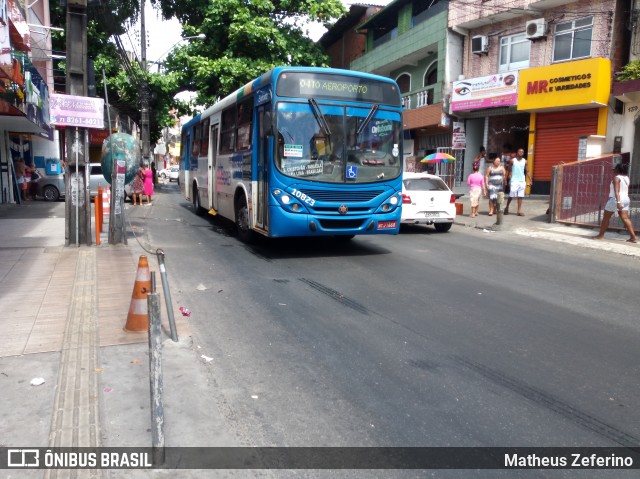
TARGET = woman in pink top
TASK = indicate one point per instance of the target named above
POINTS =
(475, 181)
(148, 184)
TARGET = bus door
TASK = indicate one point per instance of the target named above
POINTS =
(185, 181)
(213, 153)
(266, 138)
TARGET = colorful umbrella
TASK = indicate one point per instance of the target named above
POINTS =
(438, 158)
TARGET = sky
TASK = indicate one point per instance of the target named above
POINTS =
(163, 35)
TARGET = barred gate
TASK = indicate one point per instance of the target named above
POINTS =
(581, 190)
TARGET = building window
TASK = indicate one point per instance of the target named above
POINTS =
(573, 39)
(425, 97)
(404, 83)
(514, 52)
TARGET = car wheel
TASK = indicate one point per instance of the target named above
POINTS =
(443, 227)
(50, 193)
(242, 221)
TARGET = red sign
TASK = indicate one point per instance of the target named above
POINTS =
(97, 137)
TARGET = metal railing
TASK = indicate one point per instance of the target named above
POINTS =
(580, 191)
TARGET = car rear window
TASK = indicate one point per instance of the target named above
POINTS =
(425, 184)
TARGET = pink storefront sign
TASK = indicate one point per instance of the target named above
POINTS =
(491, 91)
(78, 111)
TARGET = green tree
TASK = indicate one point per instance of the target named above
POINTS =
(631, 71)
(244, 38)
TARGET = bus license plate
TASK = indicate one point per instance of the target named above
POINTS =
(386, 225)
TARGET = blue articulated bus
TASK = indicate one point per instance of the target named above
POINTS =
(299, 152)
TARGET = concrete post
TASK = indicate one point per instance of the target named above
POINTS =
(499, 212)
(155, 374)
(77, 203)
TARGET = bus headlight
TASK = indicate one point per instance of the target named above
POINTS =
(389, 205)
(288, 202)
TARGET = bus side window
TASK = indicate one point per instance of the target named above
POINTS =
(228, 130)
(245, 116)
(195, 145)
(204, 138)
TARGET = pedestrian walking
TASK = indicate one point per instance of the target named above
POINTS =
(480, 159)
(155, 173)
(507, 156)
(475, 181)
(495, 180)
(147, 184)
(618, 201)
(519, 181)
(137, 186)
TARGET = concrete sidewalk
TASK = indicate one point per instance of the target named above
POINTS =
(535, 224)
(62, 313)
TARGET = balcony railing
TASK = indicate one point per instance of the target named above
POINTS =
(419, 99)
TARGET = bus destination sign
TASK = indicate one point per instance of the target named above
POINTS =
(315, 87)
(336, 86)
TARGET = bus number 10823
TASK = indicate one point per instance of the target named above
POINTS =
(303, 197)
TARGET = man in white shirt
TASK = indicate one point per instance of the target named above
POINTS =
(520, 179)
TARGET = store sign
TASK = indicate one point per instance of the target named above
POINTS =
(79, 111)
(491, 91)
(582, 82)
(458, 136)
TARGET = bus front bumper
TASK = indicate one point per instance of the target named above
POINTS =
(284, 223)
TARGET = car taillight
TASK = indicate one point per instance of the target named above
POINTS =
(406, 199)
(453, 198)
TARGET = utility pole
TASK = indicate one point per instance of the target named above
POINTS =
(77, 203)
(144, 93)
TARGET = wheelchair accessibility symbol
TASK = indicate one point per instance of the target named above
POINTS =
(352, 172)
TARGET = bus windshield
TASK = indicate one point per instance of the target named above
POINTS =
(337, 144)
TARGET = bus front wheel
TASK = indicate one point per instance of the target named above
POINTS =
(242, 221)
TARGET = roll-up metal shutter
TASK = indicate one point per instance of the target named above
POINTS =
(557, 137)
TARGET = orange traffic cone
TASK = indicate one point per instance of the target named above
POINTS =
(138, 317)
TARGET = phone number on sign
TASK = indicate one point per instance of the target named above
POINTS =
(74, 120)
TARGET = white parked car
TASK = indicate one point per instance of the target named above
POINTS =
(172, 173)
(426, 199)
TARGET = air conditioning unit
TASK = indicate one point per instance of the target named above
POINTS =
(480, 44)
(536, 28)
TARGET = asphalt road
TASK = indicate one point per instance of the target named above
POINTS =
(421, 339)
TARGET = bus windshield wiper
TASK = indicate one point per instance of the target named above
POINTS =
(366, 121)
(317, 113)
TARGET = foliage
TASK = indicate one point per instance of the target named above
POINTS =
(243, 40)
(631, 71)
